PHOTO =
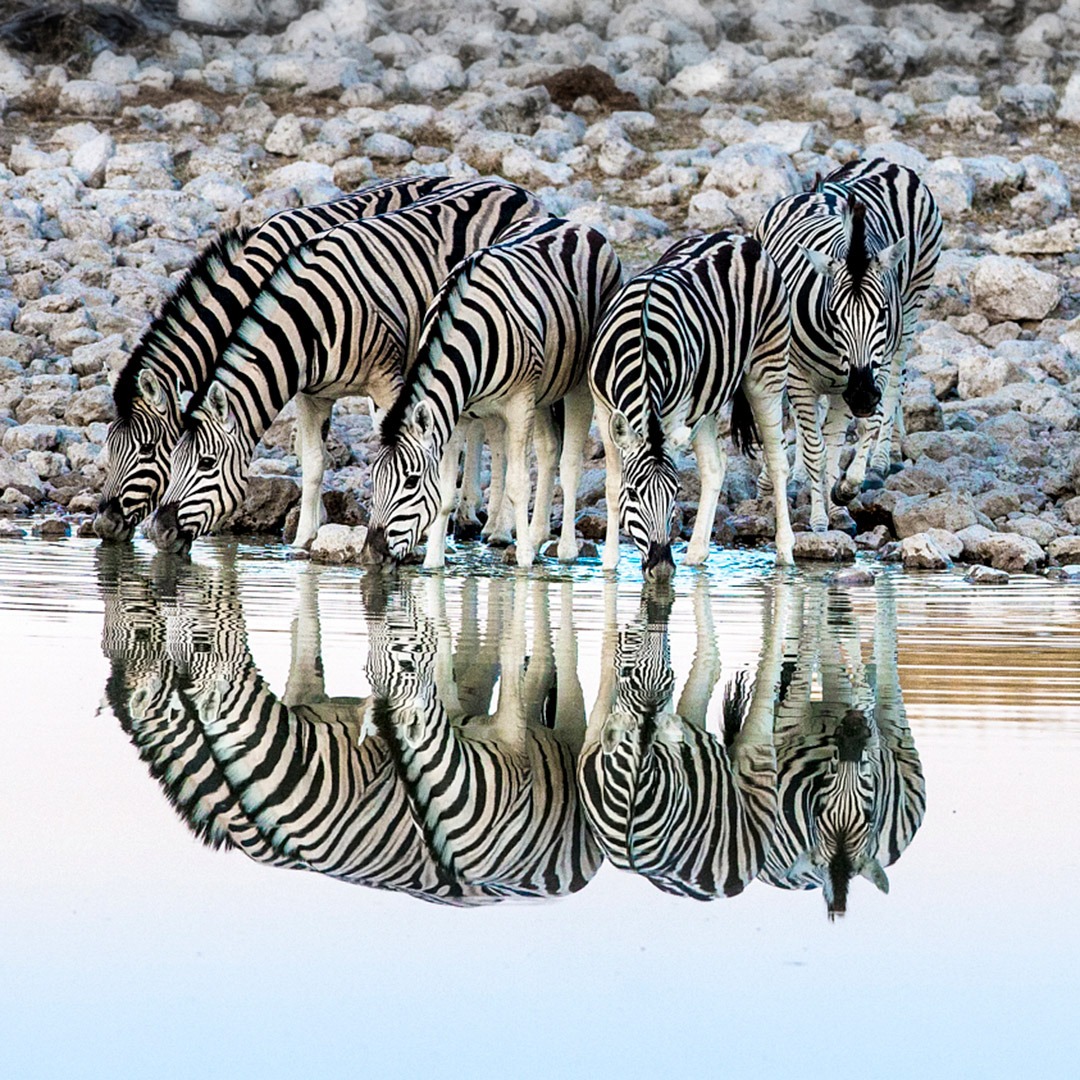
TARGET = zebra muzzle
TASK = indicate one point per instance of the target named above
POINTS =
(861, 394)
(658, 565)
(376, 551)
(109, 523)
(164, 529)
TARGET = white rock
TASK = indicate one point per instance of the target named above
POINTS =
(619, 157)
(753, 176)
(711, 211)
(384, 147)
(26, 156)
(86, 97)
(1069, 109)
(219, 191)
(141, 165)
(524, 166)
(313, 182)
(90, 160)
(920, 552)
(952, 190)
(980, 375)
(287, 137)
(112, 69)
(1045, 195)
(434, 74)
(338, 543)
(1003, 287)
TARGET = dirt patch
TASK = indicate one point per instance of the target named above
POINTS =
(566, 86)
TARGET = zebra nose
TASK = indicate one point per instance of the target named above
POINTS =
(109, 523)
(658, 564)
(376, 550)
(164, 529)
(861, 393)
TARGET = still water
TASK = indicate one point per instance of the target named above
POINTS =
(268, 819)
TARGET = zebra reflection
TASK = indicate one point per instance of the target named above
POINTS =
(493, 790)
(851, 785)
(690, 811)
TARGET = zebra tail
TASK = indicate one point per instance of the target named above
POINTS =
(744, 431)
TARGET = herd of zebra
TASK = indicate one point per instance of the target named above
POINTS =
(809, 779)
(466, 313)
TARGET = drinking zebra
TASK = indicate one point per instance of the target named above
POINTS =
(508, 335)
(176, 356)
(495, 793)
(851, 786)
(857, 256)
(340, 316)
(705, 326)
(690, 811)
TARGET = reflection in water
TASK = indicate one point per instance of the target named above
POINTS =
(691, 811)
(851, 786)
(468, 774)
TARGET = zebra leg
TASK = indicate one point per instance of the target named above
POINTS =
(570, 699)
(467, 523)
(837, 420)
(312, 427)
(546, 441)
(612, 488)
(804, 405)
(499, 530)
(712, 465)
(694, 700)
(892, 418)
(306, 684)
(539, 678)
(519, 423)
(578, 414)
(435, 554)
(767, 405)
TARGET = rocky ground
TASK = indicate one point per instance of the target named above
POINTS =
(648, 119)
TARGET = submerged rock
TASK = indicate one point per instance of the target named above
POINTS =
(986, 575)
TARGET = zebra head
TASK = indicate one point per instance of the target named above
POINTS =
(650, 483)
(137, 452)
(864, 305)
(404, 488)
(210, 464)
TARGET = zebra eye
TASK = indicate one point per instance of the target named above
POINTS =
(146, 450)
(631, 491)
(411, 482)
(207, 462)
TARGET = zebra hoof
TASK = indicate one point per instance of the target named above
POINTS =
(895, 467)
(842, 494)
(873, 481)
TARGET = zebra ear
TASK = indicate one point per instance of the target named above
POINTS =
(218, 404)
(891, 257)
(422, 422)
(151, 389)
(622, 434)
(873, 871)
(822, 263)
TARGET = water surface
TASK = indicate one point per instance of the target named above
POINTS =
(142, 696)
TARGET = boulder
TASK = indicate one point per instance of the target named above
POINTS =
(920, 552)
(986, 575)
(1005, 287)
(832, 546)
(266, 505)
(951, 511)
(1064, 551)
(338, 543)
(1003, 551)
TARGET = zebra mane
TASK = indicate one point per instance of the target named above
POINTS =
(736, 701)
(857, 258)
(198, 277)
(440, 312)
(654, 433)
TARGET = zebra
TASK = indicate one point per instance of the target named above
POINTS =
(148, 692)
(495, 793)
(857, 255)
(340, 316)
(707, 325)
(508, 334)
(851, 787)
(177, 354)
(691, 812)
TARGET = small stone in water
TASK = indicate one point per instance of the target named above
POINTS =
(851, 576)
(588, 550)
(1069, 575)
(986, 575)
(52, 527)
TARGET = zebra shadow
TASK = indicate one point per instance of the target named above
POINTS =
(691, 811)
(850, 783)
(492, 788)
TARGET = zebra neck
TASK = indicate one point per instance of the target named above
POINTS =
(446, 395)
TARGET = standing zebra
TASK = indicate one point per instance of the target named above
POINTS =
(857, 256)
(508, 334)
(851, 786)
(705, 326)
(495, 794)
(690, 811)
(176, 356)
(340, 316)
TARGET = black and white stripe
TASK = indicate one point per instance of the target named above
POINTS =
(851, 787)
(340, 316)
(690, 811)
(705, 326)
(507, 336)
(176, 356)
(857, 256)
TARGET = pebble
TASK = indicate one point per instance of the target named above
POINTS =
(986, 575)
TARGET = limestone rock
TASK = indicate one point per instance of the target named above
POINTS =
(986, 575)
(1064, 551)
(920, 552)
(1005, 287)
(832, 546)
(951, 511)
(338, 543)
